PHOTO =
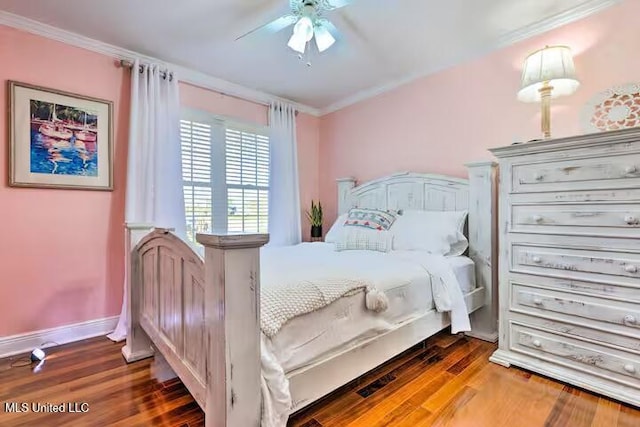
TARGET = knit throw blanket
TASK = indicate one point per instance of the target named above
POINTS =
(282, 302)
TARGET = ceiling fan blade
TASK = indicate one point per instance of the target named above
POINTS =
(330, 27)
(335, 4)
(273, 26)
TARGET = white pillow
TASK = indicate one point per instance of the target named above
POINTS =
(440, 233)
(364, 239)
(334, 232)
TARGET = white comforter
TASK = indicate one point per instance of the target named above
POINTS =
(316, 261)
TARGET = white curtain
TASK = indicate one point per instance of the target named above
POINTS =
(284, 189)
(154, 192)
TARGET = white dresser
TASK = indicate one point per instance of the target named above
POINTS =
(570, 261)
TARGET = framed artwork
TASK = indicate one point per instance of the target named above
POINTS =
(59, 139)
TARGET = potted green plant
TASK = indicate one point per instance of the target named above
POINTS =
(315, 218)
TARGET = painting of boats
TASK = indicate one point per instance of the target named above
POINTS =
(64, 139)
(59, 140)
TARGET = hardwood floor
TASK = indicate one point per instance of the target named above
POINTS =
(449, 382)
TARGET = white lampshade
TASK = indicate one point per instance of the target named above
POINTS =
(554, 65)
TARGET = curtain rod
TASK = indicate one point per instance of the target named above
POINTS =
(128, 64)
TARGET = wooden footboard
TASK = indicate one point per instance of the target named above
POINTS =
(202, 316)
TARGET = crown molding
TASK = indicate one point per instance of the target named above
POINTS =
(186, 75)
(585, 9)
(207, 81)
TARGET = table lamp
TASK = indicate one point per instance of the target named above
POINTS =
(548, 73)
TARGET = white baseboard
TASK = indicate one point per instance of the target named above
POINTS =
(23, 343)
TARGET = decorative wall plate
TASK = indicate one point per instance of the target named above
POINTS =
(615, 108)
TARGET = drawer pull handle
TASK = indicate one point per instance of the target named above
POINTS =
(537, 301)
(537, 259)
(629, 319)
(537, 343)
(630, 368)
(537, 218)
(540, 177)
(630, 268)
(630, 169)
(631, 220)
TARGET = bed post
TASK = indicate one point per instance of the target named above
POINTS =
(483, 245)
(232, 323)
(138, 344)
(345, 185)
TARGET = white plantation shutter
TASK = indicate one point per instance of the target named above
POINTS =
(247, 176)
(196, 176)
(225, 172)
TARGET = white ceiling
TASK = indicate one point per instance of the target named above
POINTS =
(382, 42)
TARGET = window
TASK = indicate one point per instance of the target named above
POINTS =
(225, 174)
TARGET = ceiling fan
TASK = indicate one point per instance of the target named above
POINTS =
(310, 22)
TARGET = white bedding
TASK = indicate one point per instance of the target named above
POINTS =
(316, 336)
(402, 276)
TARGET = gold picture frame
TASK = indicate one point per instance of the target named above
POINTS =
(59, 139)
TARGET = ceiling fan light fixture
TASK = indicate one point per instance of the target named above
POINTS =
(304, 27)
(324, 39)
(297, 43)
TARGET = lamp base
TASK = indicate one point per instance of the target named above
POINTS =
(545, 106)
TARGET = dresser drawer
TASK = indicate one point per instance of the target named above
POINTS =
(618, 292)
(593, 311)
(592, 358)
(584, 219)
(619, 171)
(613, 335)
(575, 263)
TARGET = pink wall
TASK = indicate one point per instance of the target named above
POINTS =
(437, 123)
(62, 251)
(308, 136)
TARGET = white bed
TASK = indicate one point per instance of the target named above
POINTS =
(203, 314)
(346, 322)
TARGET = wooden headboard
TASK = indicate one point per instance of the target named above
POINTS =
(405, 191)
(477, 195)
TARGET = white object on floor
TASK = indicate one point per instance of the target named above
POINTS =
(23, 343)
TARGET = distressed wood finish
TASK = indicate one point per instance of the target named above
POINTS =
(574, 263)
(448, 381)
(483, 245)
(570, 260)
(405, 191)
(232, 328)
(586, 173)
(138, 345)
(202, 317)
(618, 220)
(168, 274)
